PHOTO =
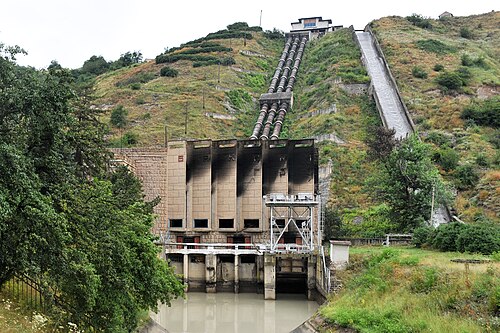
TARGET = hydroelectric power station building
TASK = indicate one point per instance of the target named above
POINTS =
(243, 215)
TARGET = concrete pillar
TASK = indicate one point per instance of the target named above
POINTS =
(185, 271)
(311, 276)
(210, 273)
(269, 276)
(236, 274)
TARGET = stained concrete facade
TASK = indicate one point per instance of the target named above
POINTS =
(212, 191)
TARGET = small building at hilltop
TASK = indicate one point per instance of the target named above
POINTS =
(445, 15)
(313, 26)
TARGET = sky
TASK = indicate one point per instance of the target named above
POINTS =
(71, 31)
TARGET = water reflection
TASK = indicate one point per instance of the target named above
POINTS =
(235, 313)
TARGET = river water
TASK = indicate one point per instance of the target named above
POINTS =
(235, 313)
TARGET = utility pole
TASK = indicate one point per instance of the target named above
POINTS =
(186, 120)
(260, 19)
(166, 135)
(432, 203)
(203, 98)
(218, 73)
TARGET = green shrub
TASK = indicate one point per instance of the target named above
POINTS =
(450, 80)
(469, 61)
(205, 49)
(479, 238)
(274, 34)
(435, 46)
(438, 67)
(238, 98)
(420, 21)
(422, 236)
(141, 77)
(119, 117)
(439, 139)
(447, 158)
(485, 113)
(466, 176)
(169, 72)
(445, 236)
(135, 86)
(465, 33)
(419, 72)
(129, 138)
(495, 256)
(243, 26)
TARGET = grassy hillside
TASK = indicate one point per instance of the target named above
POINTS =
(153, 101)
(426, 63)
(331, 64)
(414, 290)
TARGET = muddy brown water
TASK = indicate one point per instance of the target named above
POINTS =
(234, 313)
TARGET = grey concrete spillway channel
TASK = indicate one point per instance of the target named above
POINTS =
(391, 107)
(389, 103)
(278, 100)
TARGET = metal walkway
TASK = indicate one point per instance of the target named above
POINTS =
(392, 110)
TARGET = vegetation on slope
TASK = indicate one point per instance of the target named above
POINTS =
(414, 290)
(157, 103)
(448, 72)
(329, 63)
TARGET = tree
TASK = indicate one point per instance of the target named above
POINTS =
(119, 117)
(381, 142)
(62, 220)
(127, 59)
(407, 183)
(95, 65)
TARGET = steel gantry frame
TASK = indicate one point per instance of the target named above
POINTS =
(298, 212)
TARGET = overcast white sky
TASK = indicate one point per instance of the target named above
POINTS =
(71, 31)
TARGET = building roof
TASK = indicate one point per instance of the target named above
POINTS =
(446, 14)
(320, 18)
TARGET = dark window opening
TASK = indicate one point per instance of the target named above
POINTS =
(280, 223)
(175, 257)
(247, 259)
(200, 259)
(201, 223)
(251, 223)
(175, 223)
(226, 258)
(289, 237)
(226, 223)
(301, 223)
(239, 239)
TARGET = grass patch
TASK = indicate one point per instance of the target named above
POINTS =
(435, 46)
(415, 290)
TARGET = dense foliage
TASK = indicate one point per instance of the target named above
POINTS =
(408, 182)
(84, 234)
(485, 113)
(474, 238)
(169, 71)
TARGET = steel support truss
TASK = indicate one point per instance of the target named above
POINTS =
(299, 215)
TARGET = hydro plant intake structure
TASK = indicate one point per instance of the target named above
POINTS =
(280, 98)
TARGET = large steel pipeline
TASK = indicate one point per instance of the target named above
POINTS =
(272, 112)
(271, 89)
(290, 54)
(289, 88)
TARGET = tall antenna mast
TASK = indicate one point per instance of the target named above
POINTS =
(260, 20)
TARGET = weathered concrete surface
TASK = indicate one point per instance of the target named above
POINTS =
(386, 96)
(269, 277)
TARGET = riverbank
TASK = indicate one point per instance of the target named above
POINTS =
(415, 290)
